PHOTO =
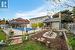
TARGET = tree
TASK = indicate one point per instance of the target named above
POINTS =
(66, 18)
(7, 22)
(67, 12)
(73, 10)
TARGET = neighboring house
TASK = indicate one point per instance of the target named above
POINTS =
(37, 19)
(54, 23)
(3, 24)
(19, 22)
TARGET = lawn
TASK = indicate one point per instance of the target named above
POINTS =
(71, 38)
(2, 35)
(29, 45)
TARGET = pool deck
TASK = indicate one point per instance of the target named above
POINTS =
(19, 32)
(6, 31)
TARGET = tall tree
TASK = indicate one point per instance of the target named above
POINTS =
(73, 10)
(66, 16)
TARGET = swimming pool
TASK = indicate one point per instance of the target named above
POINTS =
(23, 29)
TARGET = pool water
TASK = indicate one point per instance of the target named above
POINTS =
(23, 29)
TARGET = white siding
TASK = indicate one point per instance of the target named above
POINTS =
(55, 25)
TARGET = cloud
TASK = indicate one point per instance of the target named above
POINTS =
(32, 14)
(42, 11)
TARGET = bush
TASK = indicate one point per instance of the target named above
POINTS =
(11, 32)
(35, 25)
(72, 42)
(40, 24)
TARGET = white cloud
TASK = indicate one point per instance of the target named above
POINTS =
(42, 11)
(31, 14)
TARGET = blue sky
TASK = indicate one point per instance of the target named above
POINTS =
(17, 6)
(30, 8)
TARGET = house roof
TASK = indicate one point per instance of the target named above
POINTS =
(19, 21)
(52, 20)
(38, 17)
(2, 22)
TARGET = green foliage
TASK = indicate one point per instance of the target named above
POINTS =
(34, 25)
(2, 35)
(72, 42)
(66, 12)
(66, 16)
(73, 10)
(7, 22)
(40, 24)
(67, 19)
(27, 45)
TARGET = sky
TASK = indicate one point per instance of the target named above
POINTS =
(33, 8)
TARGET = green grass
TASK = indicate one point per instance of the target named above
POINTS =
(71, 40)
(29, 45)
(2, 35)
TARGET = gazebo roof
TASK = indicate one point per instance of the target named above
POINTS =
(2, 22)
(19, 21)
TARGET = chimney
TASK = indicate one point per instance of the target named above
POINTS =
(60, 15)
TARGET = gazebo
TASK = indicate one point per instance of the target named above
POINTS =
(19, 22)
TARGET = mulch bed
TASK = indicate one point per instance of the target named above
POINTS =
(58, 43)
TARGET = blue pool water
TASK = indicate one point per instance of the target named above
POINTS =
(23, 29)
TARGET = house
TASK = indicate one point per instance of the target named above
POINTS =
(37, 20)
(3, 24)
(53, 23)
